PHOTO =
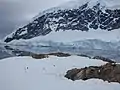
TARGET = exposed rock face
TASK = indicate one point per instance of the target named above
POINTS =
(58, 54)
(83, 55)
(39, 56)
(109, 72)
(72, 73)
(82, 18)
(98, 58)
(104, 59)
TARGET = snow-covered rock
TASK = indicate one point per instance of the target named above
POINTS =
(73, 21)
(26, 73)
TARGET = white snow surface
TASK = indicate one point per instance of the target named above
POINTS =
(70, 36)
(48, 74)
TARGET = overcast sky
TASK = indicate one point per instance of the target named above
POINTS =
(14, 13)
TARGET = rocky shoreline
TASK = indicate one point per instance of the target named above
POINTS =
(58, 54)
(61, 54)
(109, 72)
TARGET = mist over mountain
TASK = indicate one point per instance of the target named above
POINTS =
(16, 13)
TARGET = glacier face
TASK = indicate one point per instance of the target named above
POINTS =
(90, 48)
(82, 18)
(88, 44)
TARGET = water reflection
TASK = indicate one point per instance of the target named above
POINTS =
(28, 50)
(4, 53)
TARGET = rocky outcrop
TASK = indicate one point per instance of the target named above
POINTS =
(83, 55)
(104, 59)
(98, 58)
(58, 54)
(39, 56)
(109, 72)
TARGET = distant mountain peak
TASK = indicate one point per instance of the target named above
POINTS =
(80, 15)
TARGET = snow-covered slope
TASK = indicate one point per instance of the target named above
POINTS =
(74, 21)
(26, 73)
(93, 40)
(72, 38)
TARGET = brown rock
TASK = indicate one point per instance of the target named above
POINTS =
(92, 72)
(80, 75)
(104, 59)
(60, 54)
(39, 56)
(109, 72)
(72, 73)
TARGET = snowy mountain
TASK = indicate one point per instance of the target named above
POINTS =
(73, 21)
(26, 73)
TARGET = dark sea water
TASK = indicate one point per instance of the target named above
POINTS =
(10, 51)
(4, 54)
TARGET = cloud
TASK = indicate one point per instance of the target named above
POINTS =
(14, 13)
